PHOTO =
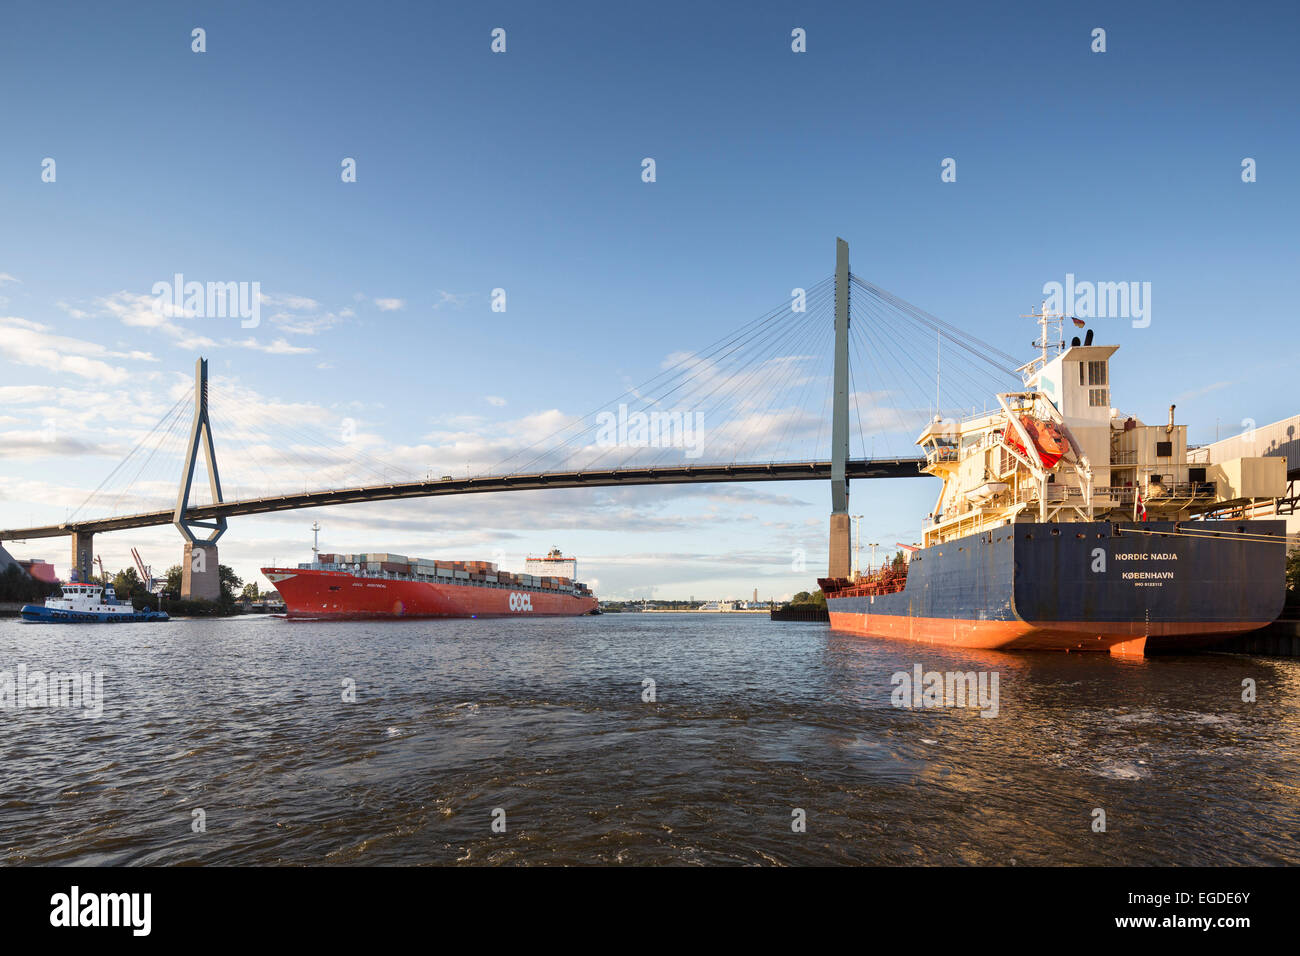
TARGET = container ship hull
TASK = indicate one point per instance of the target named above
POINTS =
(1084, 586)
(340, 595)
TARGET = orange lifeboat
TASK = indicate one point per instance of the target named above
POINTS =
(1048, 441)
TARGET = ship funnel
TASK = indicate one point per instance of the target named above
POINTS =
(1170, 427)
(1087, 339)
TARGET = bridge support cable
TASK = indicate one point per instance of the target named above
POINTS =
(806, 361)
(917, 353)
(694, 383)
(155, 479)
(978, 348)
(736, 400)
(144, 449)
(297, 445)
(928, 369)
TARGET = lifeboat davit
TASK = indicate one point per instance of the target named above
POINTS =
(1048, 440)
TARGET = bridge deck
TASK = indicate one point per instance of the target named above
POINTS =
(675, 475)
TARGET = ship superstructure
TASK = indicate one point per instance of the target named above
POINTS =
(555, 564)
(1059, 451)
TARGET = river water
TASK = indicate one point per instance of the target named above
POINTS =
(544, 726)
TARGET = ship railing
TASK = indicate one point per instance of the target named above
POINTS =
(1123, 457)
(1194, 490)
(968, 417)
(1056, 494)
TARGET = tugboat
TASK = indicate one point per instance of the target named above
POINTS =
(87, 604)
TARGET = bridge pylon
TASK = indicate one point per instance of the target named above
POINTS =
(840, 563)
(200, 570)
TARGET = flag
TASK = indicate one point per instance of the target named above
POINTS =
(1078, 323)
(1139, 508)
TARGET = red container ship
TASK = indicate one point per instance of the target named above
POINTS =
(381, 585)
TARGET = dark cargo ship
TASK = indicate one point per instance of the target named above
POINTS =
(1065, 525)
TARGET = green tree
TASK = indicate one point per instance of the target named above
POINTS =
(18, 586)
(230, 583)
(816, 598)
(251, 592)
(174, 574)
(900, 561)
(126, 583)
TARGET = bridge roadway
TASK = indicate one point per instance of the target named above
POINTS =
(674, 475)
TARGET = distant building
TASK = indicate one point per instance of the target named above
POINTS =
(38, 568)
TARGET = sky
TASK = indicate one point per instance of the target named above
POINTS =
(523, 170)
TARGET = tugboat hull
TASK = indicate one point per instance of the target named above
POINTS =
(36, 614)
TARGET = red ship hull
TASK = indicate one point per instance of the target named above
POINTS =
(338, 595)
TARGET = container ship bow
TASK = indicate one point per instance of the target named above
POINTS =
(1063, 524)
(382, 585)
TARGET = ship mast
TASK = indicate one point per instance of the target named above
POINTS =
(1047, 322)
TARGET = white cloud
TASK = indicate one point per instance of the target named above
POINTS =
(294, 303)
(496, 400)
(6, 277)
(73, 311)
(1203, 390)
(390, 305)
(32, 344)
(38, 444)
(136, 310)
(304, 324)
(456, 300)
(278, 347)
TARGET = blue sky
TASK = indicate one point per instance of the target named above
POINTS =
(522, 171)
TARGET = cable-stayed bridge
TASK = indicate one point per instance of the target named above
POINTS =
(787, 397)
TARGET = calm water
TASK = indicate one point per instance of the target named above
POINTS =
(544, 719)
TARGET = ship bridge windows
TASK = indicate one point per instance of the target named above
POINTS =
(1092, 373)
(1098, 397)
(940, 449)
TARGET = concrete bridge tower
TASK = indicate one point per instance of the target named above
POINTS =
(200, 571)
(840, 539)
